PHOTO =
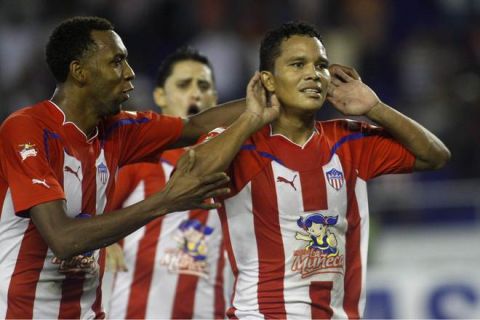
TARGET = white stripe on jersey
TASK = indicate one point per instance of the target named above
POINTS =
(102, 177)
(90, 284)
(123, 280)
(242, 231)
(72, 184)
(206, 287)
(362, 196)
(337, 205)
(12, 229)
(159, 280)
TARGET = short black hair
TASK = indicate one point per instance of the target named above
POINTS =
(270, 47)
(181, 54)
(69, 41)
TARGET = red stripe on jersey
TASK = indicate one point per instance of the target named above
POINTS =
(89, 185)
(97, 305)
(72, 289)
(3, 194)
(320, 295)
(142, 278)
(219, 307)
(353, 262)
(23, 284)
(271, 301)
(313, 190)
(187, 284)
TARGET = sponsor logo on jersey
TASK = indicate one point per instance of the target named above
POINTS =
(102, 172)
(320, 254)
(335, 179)
(79, 265)
(42, 182)
(190, 256)
(27, 150)
(285, 180)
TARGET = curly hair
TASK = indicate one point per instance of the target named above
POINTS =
(270, 47)
(71, 40)
(181, 54)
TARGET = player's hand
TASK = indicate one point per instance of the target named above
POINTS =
(115, 259)
(257, 103)
(185, 191)
(348, 94)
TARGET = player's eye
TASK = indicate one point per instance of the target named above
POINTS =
(298, 65)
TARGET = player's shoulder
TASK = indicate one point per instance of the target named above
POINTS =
(28, 118)
(135, 117)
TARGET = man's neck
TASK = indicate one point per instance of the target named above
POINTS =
(76, 110)
(296, 127)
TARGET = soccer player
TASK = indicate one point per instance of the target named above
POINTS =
(58, 160)
(296, 221)
(175, 263)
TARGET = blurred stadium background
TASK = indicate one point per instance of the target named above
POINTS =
(423, 57)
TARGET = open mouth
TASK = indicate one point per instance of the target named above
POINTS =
(193, 109)
(313, 91)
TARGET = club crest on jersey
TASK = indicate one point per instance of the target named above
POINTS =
(190, 256)
(320, 254)
(27, 150)
(102, 171)
(335, 179)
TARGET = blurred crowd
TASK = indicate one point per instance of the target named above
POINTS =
(423, 57)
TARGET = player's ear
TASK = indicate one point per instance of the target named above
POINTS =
(267, 80)
(77, 72)
(159, 97)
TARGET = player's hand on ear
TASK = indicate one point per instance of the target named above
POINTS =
(257, 104)
(348, 94)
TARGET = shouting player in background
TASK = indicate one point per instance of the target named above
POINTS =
(174, 264)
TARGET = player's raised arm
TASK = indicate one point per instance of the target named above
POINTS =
(351, 96)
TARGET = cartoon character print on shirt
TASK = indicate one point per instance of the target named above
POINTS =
(321, 254)
(190, 257)
(78, 265)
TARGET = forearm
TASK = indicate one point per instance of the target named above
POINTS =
(429, 151)
(216, 154)
(83, 235)
(222, 116)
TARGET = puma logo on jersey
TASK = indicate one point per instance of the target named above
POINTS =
(42, 182)
(70, 170)
(285, 180)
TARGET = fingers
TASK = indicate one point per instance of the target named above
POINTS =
(218, 177)
(255, 89)
(345, 73)
(336, 81)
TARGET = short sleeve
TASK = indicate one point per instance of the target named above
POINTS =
(24, 164)
(377, 153)
(143, 135)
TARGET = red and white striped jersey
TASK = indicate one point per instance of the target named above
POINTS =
(296, 223)
(44, 158)
(175, 263)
